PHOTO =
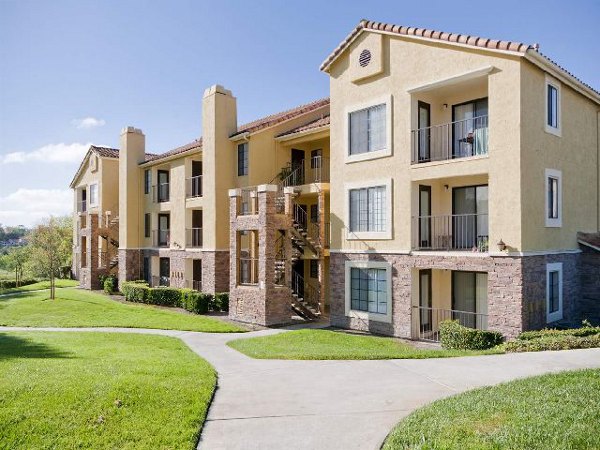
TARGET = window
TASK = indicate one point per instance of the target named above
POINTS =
(553, 198)
(554, 297)
(314, 268)
(553, 115)
(368, 130)
(367, 209)
(368, 290)
(94, 194)
(147, 181)
(163, 186)
(147, 225)
(242, 159)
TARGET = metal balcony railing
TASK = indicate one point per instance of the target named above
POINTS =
(467, 232)
(158, 281)
(193, 187)
(248, 201)
(161, 238)
(196, 285)
(460, 139)
(160, 193)
(426, 321)
(82, 206)
(193, 237)
(248, 270)
(319, 170)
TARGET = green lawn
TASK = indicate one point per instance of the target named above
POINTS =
(101, 390)
(59, 283)
(80, 308)
(558, 411)
(328, 344)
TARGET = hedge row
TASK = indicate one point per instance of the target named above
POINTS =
(10, 284)
(552, 339)
(456, 337)
(193, 301)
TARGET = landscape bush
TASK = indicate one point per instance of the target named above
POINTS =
(552, 339)
(196, 302)
(110, 284)
(10, 284)
(454, 336)
(221, 302)
(164, 296)
(135, 291)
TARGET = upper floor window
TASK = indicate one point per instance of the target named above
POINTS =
(553, 198)
(554, 297)
(162, 194)
(368, 209)
(553, 114)
(94, 194)
(368, 130)
(147, 181)
(242, 157)
(147, 225)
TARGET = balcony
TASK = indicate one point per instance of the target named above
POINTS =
(193, 187)
(466, 232)
(317, 172)
(248, 270)
(454, 140)
(82, 206)
(161, 238)
(160, 193)
(426, 321)
(193, 237)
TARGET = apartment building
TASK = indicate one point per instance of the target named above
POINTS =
(165, 218)
(464, 169)
(447, 177)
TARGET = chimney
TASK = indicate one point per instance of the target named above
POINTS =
(219, 161)
(132, 152)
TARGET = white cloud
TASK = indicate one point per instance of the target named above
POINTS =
(88, 122)
(53, 153)
(29, 206)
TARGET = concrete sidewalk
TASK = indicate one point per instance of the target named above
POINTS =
(276, 404)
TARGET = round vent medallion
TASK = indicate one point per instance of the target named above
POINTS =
(365, 58)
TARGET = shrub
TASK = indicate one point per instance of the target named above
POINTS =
(110, 284)
(553, 342)
(196, 302)
(135, 291)
(164, 296)
(10, 284)
(549, 332)
(222, 301)
(456, 337)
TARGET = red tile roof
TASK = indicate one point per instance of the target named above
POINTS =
(590, 239)
(108, 152)
(275, 119)
(313, 125)
(194, 145)
(456, 38)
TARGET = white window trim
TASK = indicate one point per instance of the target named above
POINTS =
(550, 222)
(89, 193)
(549, 129)
(365, 315)
(387, 151)
(370, 235)
(558, 315)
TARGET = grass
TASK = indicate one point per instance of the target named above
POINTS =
(59, 283)
(557, 411)
(61, 391)
(329, 344)
(80, 308)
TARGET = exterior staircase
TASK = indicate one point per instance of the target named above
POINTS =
(109, 232)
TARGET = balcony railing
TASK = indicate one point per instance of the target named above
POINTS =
(426, 321)
(248, 270)
(161, 238)
(468, 232)
(82, 206)
(194, 187)
(319, 170)
(196, 285)
(193, 237)
(460, 139)
(248, 201)
(161, 193)
(102, 259)
(158, 281)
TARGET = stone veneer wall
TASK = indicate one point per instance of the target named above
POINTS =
(516, 289)
(130, 265)
(265, 303)
(589, 271)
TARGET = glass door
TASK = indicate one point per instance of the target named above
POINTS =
(469, 128)
(425, 302)
(470, 217)
(424, 122)
(425, 217)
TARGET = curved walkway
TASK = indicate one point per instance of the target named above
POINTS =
(275, 404)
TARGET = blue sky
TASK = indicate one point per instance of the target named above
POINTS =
(76, 72)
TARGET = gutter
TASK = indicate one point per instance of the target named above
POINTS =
(291, 136)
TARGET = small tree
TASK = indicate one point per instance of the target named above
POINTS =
(50, 245)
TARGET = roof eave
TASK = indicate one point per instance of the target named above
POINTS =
(159, 160)
(291, 136)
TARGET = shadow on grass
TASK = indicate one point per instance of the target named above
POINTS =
(17, 347)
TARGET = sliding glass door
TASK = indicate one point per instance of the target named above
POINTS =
(470, 217)
(469, 298)
(469, 128)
